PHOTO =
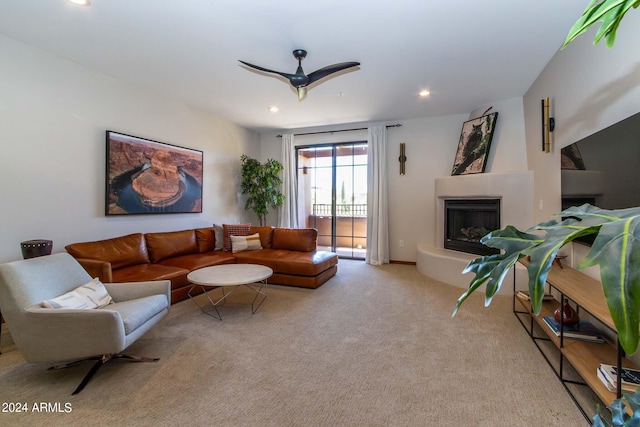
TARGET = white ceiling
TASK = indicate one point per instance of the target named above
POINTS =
(466, 52)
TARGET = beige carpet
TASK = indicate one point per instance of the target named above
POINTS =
(374, 346)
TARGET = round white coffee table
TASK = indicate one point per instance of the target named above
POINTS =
(251, 276)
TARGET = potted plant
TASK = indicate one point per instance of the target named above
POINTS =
(261, 183)
(616, 249)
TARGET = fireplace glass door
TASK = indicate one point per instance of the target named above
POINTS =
(467, 221)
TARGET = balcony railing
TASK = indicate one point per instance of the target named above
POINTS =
(341, 210)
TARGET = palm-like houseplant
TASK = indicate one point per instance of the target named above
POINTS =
(261, 183)
(609, 12)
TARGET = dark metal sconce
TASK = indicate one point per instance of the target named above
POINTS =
(548, 125)
(402, 158)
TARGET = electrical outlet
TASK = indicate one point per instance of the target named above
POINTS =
(401, 244)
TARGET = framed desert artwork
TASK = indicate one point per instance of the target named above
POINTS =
(151, 177)
(473, 147)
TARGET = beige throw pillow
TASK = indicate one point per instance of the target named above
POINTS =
(245, 243)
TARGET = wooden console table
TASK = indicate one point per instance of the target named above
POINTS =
(587, 296)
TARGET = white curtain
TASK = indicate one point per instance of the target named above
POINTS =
(288, 217)
(377, 200)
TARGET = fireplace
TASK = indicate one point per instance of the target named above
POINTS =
(466, 221)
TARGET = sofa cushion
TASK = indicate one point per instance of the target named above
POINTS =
(137, 312)
(290, 262)
(245, 243)
(266, 235)
(195, 261)
(170, 244)
(234, 230)
(295, 239)
(206, 239)
(144, 272)
(121, 251)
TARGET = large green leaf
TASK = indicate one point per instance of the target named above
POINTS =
(493, 269)
(609, 12)
(616, 250)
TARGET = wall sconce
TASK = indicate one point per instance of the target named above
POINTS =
(548, 124)
(402, 158)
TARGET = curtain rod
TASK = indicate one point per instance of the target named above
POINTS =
(336, 131)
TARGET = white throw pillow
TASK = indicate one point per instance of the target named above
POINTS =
(90, 295)
(245, 243)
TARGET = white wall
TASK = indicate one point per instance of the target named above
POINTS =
(53, 117)
(590, 87)
(431, 145)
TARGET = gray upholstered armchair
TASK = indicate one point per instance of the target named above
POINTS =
(55, 335)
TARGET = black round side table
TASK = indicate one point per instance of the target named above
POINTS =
(36, 248)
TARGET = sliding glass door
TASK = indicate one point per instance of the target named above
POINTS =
(333, 190)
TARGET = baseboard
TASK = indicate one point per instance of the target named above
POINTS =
(393, 261)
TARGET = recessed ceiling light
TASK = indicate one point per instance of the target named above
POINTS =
(274, 109)
(424, 92)
(81, 2)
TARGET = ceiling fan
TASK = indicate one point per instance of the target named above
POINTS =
(300, 80)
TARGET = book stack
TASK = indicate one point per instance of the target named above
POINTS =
(525, 295)
(583, 330)
(608, 374)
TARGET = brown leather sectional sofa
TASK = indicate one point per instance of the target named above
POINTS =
(290, 253)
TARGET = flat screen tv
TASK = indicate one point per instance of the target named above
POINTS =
(603, 169)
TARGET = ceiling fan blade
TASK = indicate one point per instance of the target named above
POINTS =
(266, 70)
(330, 69)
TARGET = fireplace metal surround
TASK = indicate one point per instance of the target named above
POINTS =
(466, 221)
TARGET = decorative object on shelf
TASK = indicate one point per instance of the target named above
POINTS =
(402, 158)
(300, 80)
(548, 125)
(262, 185)
(610, 12)
(474, 143)
(568, 314)
(558, 260)
(36, 248)
(615, 249)
(150, 177)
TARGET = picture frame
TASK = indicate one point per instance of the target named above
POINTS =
(150, 177)
(474, 144)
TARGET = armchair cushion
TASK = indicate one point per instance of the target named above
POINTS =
(137, 312)
(89, 295)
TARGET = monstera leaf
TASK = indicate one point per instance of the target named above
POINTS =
(610, 12)
(616, 249)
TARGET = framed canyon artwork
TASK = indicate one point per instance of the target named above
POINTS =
(473, 147)
(151, 177)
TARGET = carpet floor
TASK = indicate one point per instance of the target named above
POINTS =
(374, 346)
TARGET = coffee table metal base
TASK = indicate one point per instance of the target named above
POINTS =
(260, 288)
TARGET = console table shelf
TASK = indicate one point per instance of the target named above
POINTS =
(585, 357)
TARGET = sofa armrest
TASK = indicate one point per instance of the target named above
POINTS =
(126, 291)
(97, 268)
